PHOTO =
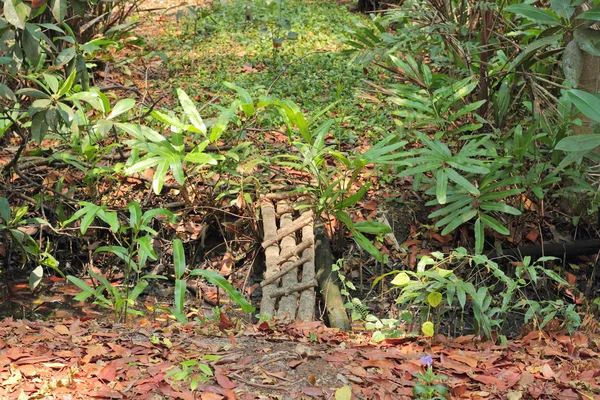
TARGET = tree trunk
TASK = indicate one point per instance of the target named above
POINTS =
(368, 5)
(589, 80)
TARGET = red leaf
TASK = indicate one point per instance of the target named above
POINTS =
(224, 381)
(312, 391)
(108, 373)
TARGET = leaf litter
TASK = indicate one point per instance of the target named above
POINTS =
(75, 359)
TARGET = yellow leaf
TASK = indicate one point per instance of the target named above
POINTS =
(444, 272)
(402, 279)
(427, 328)
(434, 299)
(343, 393)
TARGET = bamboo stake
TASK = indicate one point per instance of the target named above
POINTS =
(287, 291)
(284, 271)
(298, 224)
(296, 250)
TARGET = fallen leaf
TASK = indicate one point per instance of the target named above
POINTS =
(343, 393)
(61, 329)
(108, 373)
(224, 381)
(547, 371)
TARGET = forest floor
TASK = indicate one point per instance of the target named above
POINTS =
(77, 359)
(226, 357)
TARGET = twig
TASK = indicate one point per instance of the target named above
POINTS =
(287, 291)
(284, 271)
(287, 195)
(260, 385)
(298, 224)
(296, 250)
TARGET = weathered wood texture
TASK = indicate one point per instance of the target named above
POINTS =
(267, 305)
(287, 304)
(306, 304)
(289, 280)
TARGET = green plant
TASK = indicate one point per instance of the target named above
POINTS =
(278, 26)
(427, 287)
(211, 276)
(333, 191)
(137, 237)
(432, 100)
(13, 231)
(428, 385)
(194, 371)
(461, 200)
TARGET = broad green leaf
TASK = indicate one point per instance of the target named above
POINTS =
(65, 56)
(587, 103)
(532, 48)
(372, 227)
(4, 210)
(36, 94)
(458, 221)
(533, 13)
(494, 224)
(135, 213)
(67, 84)
(81, 285)
(562, 8)
(16, 12)
(366, 244)
(158, 180)
(441, 185)
(198, 157)
(479, 236)
(402, 279)
(461, 181)
(121, 107)
(7, 93)
(31, 43)
(588, 40)
(191, 111)
(178, 258)
(111, 218)
(148, 215)
(220, 281)
(145, 243)
(138, 289)
(579, 143)
(555, 277)
(590, 15)
(246, 100)
(180, 289)
(352, 200)
(88, 217)
(59, 8)
(434, 299)
(501, 207)
(427, 328)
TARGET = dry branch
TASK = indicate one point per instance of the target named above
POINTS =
(293, 227)
(298, 288)
(285, 270)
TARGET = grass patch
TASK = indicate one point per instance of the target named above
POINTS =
(220, 45)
